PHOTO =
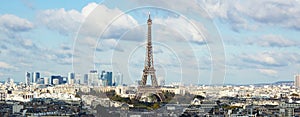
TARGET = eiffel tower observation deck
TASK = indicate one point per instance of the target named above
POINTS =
(149, 70)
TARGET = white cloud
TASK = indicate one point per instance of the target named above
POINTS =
(272, 40)
(88, 9)
(267, 12)
(68, 21)
(95, 22)
(28, 42)
(262, 60)
(5, 65)
(25, 64)
(270, 11)
(215, 8)
(182, 28)
(10, 24)
(62, 55)
(171, 29)
(274, 12)
(109, 44)
(269, 72)
(227, 12)
(63, 21)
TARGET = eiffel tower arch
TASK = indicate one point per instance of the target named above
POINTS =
(149, 70)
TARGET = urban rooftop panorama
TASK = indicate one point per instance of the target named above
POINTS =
(134, 58)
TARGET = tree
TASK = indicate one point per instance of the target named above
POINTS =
(110, 94)
(294, 95)
(200, 97)
(156, 105)
(168, 95)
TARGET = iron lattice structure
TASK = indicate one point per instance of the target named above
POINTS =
(149, 71)
(149, 66)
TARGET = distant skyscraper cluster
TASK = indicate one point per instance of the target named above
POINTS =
(93, 78)
(34, 77)
(104, 78)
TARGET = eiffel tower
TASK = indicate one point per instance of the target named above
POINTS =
(149, 71)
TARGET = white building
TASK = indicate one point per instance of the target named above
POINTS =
(71, 78)
(93, 78)
(55, 81)
(46, 80)
(118, 80)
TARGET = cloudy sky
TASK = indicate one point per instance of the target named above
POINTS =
(200, 42)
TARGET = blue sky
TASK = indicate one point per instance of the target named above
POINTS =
(260, 39)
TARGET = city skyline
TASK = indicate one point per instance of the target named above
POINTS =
(260, 44)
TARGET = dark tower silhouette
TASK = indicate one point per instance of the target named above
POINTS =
(149, 70)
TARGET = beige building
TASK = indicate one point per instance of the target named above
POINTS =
(297, 81)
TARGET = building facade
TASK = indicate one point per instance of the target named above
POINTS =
(35, 76)
(93, 78)
(71, 78)
(27, 79)
(297, 81)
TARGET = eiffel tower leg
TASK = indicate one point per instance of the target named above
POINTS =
(144, 79)
(153, 80)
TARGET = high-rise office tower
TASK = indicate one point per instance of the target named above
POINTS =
(85, 78)
(118, 80)
(78, 78)
(27, 78)
(93, 78)
(35, 76)
(71, 78)
(102, 76)
(106, 78)
(10, 81)
(109, 78)
(46, 80)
